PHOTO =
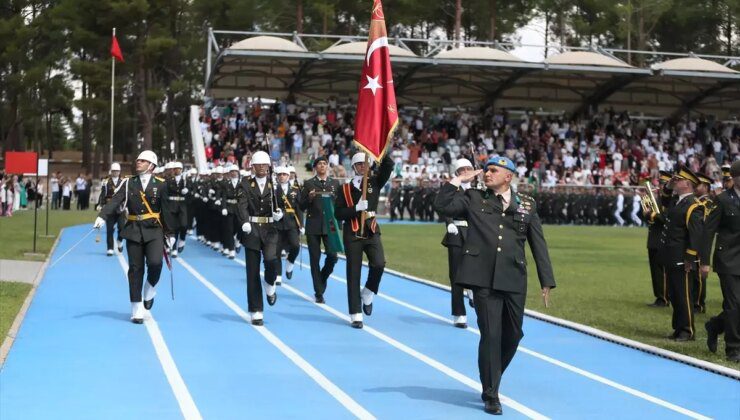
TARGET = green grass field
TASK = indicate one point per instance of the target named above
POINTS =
(16, 233)
(12, 296)
(602, 274)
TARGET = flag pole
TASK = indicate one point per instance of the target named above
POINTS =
(112, 97)
(363, 215)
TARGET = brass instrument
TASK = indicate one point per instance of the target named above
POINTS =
(648, 202)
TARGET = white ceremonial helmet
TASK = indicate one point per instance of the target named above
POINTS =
(206, 172)
(176, 165)
(233, 168)
(148, 156)
(158, 170)
(193, 171)
(461, 163)
(282, 170)
(260, 158)
(243, 172)
(218, 170)
(115, 166)
(358, 158)
(168, 165)
(291, 168)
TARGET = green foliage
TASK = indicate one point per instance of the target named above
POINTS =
(12, 296)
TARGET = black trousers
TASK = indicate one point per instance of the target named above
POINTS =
(110, 224)
(147, 254)
(191, 211)
(699, 292)
(454, 258)
(500, 316)
(288, 240)
(229, 227)
(255, 303)
(407, 206)
(658, 276)
(319, 274)
(679, 290)
(728, 321)
(396, 211)
(354, 247)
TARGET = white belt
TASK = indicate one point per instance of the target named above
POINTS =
(463, 223)
(177, 198)
(260, 219)
(230, 201)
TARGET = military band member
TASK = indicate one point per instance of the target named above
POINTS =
(228, 194)
(699, 287)
(317, 230)
(657, 270)
(145, 197)
(681, 248)
(724, 222)
(257, 213)
(349, 208)
(117, 218)
(290, 227)
(177, 215)
(500, 221)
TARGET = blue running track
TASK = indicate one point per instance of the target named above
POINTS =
(77, 356)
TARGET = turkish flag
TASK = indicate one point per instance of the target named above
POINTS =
(377, 116)
(115, 50)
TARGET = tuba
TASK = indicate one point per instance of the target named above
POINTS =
(648, 202)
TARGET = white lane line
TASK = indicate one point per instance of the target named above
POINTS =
(356, 409)
(452, 373)
(184, 399)
(587, 374)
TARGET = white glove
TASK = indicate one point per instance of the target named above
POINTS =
(196, 195)
(98, 207)
(218, 202)
(211, 192)
(171, 242)
(247, 228)
(302, 230)
(224, 212)
(184, 191)
(205, 200)
(452, 229)
(99, 222)
(277, 215)
(361, 205)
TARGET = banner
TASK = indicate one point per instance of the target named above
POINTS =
(335, 239)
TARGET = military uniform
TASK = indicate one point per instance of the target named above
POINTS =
(657, 270)
(724, 222)
(394, 203)
(494, 266)
(117, 217)
(177, 214)
(699, 287)
(289, 226)
(317, 230)
(229, 192)
(455, 244)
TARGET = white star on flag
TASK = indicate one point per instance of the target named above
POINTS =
(372, 84)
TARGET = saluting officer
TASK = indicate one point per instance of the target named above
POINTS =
(229, 192)
(316, 228)
(681, 248)
(724, 222)
(145, 198)
(117, 217)
(350, 206)
(290, 227)
(699, 287)
(657, 270)
(257, 212)
(177, 214)
(457, 231)
(500, 221)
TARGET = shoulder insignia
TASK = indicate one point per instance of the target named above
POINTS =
(159, 179)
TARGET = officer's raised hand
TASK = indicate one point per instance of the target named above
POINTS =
(465, 177)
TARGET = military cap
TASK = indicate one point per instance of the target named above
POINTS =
(686, 173)
(319, 159)
(726, 172)
(665, 176)
(704, 179)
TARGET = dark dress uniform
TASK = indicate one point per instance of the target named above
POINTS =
(724, 221)
(316, 229)
(394, 202)
(256, 207)
(699, 287)
(369, 243)
(144, 229)
(177, 214)
(229, 192)
(657, 270)
(454, 245)
(681, 245)
(117, 217)
(289, 226)
(494, 266)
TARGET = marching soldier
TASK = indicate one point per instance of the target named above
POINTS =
(457, 231)
(350, 206)
(214, 209)
(290, 227)
(201, 199)
(699, 287)
(117, 217)
(191, 202)
(294, 182)
(317, 230)
(657, 270)
(145, 197)
(257, 212)
(177, 214)
(394, 200)
(681, 248)
(500, 221)
(724, 222)
(229, 192)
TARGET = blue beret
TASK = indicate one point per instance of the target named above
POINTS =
(502, 162)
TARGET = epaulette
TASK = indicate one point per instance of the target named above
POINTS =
(525, 197)
(159, 179)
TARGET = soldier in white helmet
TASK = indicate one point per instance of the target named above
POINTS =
(177, 215)
(258, 211)
(290, 227)
(145, 197)
(109, 187)
(229, 191)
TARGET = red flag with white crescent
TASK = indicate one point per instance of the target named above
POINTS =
(377, 116)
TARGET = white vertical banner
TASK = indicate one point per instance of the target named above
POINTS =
(43, 168)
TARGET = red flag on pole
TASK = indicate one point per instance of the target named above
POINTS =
(115, 50)
(377, 116)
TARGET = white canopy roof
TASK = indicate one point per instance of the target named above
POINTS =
(267, 43)
(478, 53)
(361, 47)
(693, 64)
(585, 58)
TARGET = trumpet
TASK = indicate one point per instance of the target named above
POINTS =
(648, 202)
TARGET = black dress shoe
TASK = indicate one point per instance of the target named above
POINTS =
(320, 299)
(271, 299)
(356, 324)
(289, 275)
(367, 309)
(493, 407)
(684, 336)
(711, 338)
(137, 320)
(659, 303)
(148, 304)
(471, 303)
(734, 357)
(461, 325)
(258, 322)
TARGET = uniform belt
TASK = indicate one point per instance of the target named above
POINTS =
(369, 214)
(231, 201)
(141, 217)
(260, 219)
(463, 223)
(289, 210)
(177, 198)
